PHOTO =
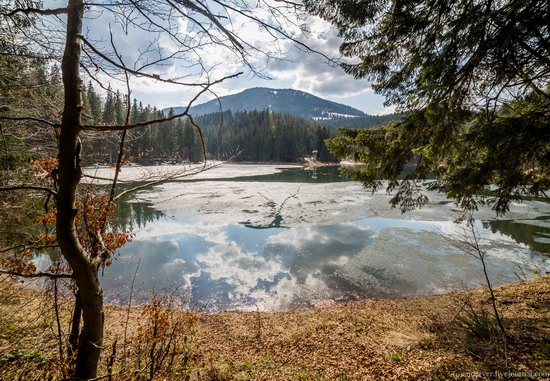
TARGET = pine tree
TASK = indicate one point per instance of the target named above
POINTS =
(473, 79)
(94, 100)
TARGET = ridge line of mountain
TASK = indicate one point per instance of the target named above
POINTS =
(289, 101)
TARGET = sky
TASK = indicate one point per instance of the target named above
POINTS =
(300, 70)
(304, 71)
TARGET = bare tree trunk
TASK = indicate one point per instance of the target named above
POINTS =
(85, 269)
(75, 327)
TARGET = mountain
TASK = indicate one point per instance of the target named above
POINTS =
(285, 101)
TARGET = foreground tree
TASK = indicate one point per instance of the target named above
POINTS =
(181, 33)
(474, 80)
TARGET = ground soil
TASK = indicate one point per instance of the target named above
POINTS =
(448, 337)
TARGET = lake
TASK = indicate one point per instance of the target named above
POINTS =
(256, 237)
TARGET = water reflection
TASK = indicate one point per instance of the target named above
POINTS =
(243, 244)
(327, 174)
(318, 251)
(134, 215)
(534, 233)
(231, 266)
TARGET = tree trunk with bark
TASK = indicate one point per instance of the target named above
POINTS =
(85, 268)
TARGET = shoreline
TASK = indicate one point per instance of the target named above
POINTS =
(182, 172)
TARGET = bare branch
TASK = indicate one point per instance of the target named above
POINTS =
(168, 177)
(120, 155)
(166, 119)
(37, 275)
(28, 187)
(138, 73)
(30, 119)
(42, 12)
(27, 247)
(101, 178)
(206, 13)
(275, 30)
(201, 136)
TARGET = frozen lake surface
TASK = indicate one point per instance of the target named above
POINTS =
(278, 237)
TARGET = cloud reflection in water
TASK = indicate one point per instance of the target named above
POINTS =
(235, 267)
(228, 266)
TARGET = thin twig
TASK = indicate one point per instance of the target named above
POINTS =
(57, 319)
(128, 313)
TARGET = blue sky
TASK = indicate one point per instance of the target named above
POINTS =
(299, 70)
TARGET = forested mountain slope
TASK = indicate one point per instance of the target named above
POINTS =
(286, 101)
(267, 125)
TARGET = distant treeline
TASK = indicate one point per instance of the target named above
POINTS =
(261, 135)
(243, 136)
(251, 136)
(264, 136)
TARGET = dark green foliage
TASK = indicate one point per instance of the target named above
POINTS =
(94, 102)
(473, 78)
(257, 135)
(510, 152)
(264, 136)
(254, 136)
(27, 84)
(419, 51)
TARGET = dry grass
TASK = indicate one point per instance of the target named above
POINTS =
(400, 339)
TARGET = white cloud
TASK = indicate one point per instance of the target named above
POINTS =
(300, 70)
